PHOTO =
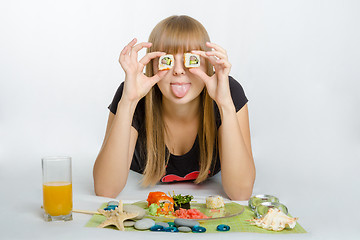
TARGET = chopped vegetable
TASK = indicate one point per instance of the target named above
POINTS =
(189, 214)
(179, 199)
(153, 209)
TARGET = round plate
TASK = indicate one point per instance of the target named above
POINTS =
(230, 210)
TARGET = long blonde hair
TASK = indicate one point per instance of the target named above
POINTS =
(173, 35)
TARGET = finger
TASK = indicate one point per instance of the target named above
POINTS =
(138, 47)
(128, 47)
(212, 59)
(201, 74)
(217, 54)
(132, 42)
(224, 62)
(124, 53)
(216, 47)
(157, 77)
(126, 50)
(147, 58)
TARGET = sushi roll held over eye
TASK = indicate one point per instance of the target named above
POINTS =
(166, 62)
(191, 60)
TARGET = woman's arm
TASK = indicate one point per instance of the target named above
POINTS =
(237, 165)
(112, 165)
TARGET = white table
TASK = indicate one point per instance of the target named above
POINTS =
(21, 198)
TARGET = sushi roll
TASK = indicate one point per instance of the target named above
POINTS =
(214, 202)
(191, 60)
(166, 62)
(165, 203)
(182, 201)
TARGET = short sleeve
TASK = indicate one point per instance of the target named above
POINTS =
(238, 96)
(114, 104)
(139, 111)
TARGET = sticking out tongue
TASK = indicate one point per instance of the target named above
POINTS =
(180, 90)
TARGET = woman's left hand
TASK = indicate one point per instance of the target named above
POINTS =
(217, 85)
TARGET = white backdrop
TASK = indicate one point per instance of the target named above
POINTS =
(298, 62)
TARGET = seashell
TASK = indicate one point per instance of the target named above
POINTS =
(274, 220)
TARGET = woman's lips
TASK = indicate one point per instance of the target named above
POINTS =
(180, 89)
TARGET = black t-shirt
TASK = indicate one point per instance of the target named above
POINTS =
(179, 168)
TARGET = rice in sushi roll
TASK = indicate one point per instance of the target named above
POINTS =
(166, 62)
(214, 202)
(191, 60)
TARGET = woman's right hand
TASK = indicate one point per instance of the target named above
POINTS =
(137, 84)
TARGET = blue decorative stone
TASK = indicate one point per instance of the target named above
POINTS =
(111, 207)
(223, 228)
(198, 229)
(171, 229)
(157, 228)
(171, 224)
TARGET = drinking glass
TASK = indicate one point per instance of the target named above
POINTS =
(57, 188)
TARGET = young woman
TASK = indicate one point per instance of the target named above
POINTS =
(181, 124)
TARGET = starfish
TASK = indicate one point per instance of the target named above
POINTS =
(116, 217)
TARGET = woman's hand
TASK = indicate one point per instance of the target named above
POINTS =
(137, 84)
(218, 84)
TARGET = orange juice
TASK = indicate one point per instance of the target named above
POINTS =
(57, 198)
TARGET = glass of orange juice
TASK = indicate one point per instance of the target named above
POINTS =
(57, 188)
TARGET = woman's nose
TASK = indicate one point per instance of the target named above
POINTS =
(178, 68)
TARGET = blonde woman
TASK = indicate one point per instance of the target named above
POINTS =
(181, 124)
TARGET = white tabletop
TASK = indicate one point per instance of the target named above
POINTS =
(21, 199)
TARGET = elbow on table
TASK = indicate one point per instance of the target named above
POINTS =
(109, 192)
(240, 194)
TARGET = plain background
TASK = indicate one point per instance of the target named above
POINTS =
(298, 62)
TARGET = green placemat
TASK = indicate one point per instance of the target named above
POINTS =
(236, 223)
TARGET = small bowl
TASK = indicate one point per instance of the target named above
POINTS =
(263, 208)
(258, 199)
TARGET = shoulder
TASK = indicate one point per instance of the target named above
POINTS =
(238, 96)
(234, 84)
(139, 111)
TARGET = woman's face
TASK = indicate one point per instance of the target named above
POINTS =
(179, 85)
